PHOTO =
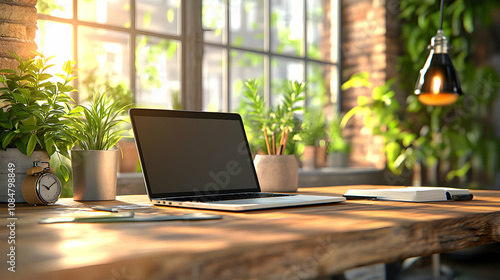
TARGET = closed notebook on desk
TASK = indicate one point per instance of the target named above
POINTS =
(411, 194)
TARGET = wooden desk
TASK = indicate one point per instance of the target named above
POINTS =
(291, 243)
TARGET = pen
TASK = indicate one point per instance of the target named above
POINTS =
(353, 197)
(107, 209)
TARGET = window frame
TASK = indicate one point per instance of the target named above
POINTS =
(132, 32)
(269, 55)
(192, 46)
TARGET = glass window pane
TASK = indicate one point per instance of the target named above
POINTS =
(287, 27)
(103, 59)
(214, 21)
(213, 81)
(60, 8)
(161, 16)
(158, 72)
(322, 30)
(247, 23)
(322, 84)
(282, 71)
(113, 12)
(55, 39)
(244, 66)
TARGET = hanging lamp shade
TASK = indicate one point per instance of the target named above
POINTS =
(438, 83)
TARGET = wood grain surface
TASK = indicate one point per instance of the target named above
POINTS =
(287, 243)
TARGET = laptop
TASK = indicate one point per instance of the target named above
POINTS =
(202, 160)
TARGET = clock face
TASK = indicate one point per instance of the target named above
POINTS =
(49, 188)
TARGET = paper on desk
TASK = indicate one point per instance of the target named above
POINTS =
(411, 194)
(114, 218)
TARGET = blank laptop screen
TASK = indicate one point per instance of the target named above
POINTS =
(196, 153)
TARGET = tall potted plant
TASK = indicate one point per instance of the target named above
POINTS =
(338, 147)
(275, 171)
(95, 163)
(34, 111)
(312, 131)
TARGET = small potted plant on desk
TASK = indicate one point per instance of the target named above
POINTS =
(34, 112)
(276, 171)
(95, 163)
(312, 131)
(338, 147)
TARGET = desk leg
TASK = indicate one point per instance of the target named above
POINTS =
(436, 265)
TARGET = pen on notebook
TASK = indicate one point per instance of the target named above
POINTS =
(355, 197)
(107, 209)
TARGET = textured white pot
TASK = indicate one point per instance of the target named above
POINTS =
(277, 173)
(12, 161)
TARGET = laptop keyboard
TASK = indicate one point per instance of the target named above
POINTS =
(220, 197)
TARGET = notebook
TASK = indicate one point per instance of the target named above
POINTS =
(202, 160)
(411, 194)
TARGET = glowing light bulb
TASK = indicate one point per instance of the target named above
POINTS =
(436, 85)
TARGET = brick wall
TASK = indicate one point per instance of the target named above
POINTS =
(370, 32)
(18, 24)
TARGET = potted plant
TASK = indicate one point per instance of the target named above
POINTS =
(312, 131)
(34, 112)
(275, 171)
(95, 163)
(338, 147)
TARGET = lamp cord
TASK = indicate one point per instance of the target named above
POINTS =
(441, 15)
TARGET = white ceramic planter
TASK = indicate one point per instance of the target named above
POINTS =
(277, 173)
(94, 174)
(12, 161)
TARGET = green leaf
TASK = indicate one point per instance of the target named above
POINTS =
(43, 77)
(50, 146)
(31, 144)
(19, 98)
(363, 101)
(64, 172)
(7, 139)
(469, 21)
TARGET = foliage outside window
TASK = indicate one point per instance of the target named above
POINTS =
(131, 60)
(270, 41)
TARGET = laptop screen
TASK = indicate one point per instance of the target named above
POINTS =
(193, 153)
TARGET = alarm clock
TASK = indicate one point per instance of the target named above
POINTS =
(41, 186)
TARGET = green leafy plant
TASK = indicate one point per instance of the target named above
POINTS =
(273, 122)
(97, 129)
(381, 115)
(116, 88)
(312, 129)
(457, 140)
(336, 141)
(460, 137)
(35, 108)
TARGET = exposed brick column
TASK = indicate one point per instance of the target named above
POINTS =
(370, 31)
(18, 25)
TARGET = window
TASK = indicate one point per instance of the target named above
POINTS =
(138, 49)
(119, 45)
(272, 41)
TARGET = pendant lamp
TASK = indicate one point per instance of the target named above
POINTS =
(438, 83)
